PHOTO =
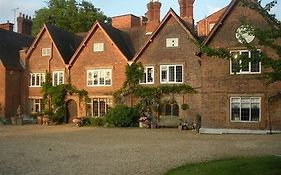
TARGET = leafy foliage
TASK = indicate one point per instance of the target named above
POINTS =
(122, 116)
(266, 37)
(55, 97)
(70, 15)
(93, 121)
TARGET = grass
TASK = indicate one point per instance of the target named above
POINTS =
(269, 165)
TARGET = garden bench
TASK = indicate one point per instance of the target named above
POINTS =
(169, 121)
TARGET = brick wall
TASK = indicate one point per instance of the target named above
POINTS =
(2, 89)
(110, 58)
(218, 85)
(157, 54)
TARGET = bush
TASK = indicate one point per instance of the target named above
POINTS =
(3, 121)
(122, 116)
(58, 116)
(92, 121)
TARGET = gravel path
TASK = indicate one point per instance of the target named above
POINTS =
(49, 150)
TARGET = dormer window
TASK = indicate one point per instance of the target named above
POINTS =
(98, 47)
(46, 52)
(172, 42)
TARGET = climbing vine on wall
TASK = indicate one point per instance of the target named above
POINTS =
(149, 96)
(55, 96)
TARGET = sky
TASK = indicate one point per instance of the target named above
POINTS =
(202, 8)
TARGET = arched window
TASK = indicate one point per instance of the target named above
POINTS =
(168, 110)
(175, 109)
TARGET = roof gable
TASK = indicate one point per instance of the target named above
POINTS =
(113, 34)
(10, 45)
(170, 14)
(220, 22)
(65, 43)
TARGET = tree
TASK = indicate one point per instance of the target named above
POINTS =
(267, 38)
(68, 15)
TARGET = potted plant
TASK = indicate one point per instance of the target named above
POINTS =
(143, 122)
(184, 106)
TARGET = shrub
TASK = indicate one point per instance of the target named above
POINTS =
(92, 121)
(58, 116)
(122, 116)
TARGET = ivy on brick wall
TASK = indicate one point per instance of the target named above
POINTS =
(55, 97)
(149, 96)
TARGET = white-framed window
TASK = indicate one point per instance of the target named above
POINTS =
(248, 68)
(171, 74)
(36, 79)
(98, 47)
(97, 107)
(58, 78)
(211, 26)
(148, 75)
(46, 52)
(99, 77)
(172, 42)
(245, 109)
(36, 105)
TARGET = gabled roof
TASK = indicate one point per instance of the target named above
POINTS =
(218, 13)
(65, 42)
(220, 22)
(115, 35)
(180, 21)
(10, 45)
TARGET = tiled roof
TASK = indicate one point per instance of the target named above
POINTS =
(10, 45)
(66, 42)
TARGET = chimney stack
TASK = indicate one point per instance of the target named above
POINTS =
(186, 11)
(7, 26)
(153, 15)
(24, 24)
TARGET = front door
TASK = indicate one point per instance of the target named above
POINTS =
(71, 111)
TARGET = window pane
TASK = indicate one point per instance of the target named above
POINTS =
(102, 76)
(102, 107)
(245, 63)
(143, 79)
(89, 111)
(108, 77)
(149, 75)
(245, 112)
(175, 110)
(168, 110)
(235, 111)
(179, 73)
(95, 78)
(164, 75)
(171, 74)
(95, 108)
(255, 112)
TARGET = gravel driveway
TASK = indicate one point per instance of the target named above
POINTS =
(36, 150)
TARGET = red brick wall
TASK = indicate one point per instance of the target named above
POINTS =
(126, 21)
(157, 54)
(36, 63)
(110, 58)
(218, 85)
(2, 89)
(13, 92)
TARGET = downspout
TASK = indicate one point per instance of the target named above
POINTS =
(51, 57)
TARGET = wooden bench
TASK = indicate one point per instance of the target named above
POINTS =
(169, 121)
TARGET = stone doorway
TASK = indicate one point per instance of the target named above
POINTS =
(71, 111)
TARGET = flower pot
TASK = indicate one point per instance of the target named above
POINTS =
(14, 120)
(45, 120)
(40, 120)
(143, 125)
(77, 121)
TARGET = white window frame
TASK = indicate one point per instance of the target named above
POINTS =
(250, 64)
(38, 81)
(172, 42)
(46, 52)
(168, 74)
(99, 73)
(33, 104)
(98, 47)
(108, 101)
(146, 75)
(57, 75)
(242, 121)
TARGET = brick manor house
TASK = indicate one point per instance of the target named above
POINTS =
(96, 60)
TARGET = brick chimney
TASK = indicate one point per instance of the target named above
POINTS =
(24, 24)
(186, 11)
(7, 26)
(153, 15)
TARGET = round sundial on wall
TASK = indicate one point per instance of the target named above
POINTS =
(243, 34)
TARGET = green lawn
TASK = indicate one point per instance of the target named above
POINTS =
(269, 165)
